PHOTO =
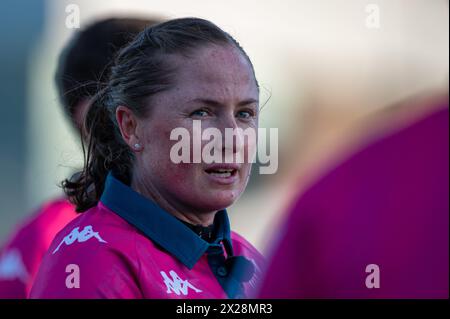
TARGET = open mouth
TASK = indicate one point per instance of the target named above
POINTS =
(222, 172)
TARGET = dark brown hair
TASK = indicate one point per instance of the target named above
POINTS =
(142, 69)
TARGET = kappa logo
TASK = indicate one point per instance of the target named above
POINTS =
(12, 267)
(75, 235)
(177, 285)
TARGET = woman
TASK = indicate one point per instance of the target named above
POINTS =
(153, 228)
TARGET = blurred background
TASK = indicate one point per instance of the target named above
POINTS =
(330, 73)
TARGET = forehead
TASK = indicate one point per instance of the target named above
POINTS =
(217, 71)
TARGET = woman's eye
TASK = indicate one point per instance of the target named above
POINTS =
(244, 114)
(200, 113)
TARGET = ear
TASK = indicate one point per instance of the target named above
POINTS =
(127, 122)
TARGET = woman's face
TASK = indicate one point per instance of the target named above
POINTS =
(217, 87)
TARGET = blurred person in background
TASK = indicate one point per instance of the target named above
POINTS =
(152, 227)
(376, 225)
(84, 61)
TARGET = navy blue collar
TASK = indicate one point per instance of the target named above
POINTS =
(160, 226)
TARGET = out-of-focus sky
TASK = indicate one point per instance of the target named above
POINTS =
(325, 69)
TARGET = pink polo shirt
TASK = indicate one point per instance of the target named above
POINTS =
(128, 247)
(22, 254)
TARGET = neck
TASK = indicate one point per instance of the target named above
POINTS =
(205, 233)
(185, 214)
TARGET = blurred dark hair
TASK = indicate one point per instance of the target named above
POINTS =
(141, 69)
(84, 61)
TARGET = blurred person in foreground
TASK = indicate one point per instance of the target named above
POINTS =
(154, 227)
(377, 224)
(83, 62)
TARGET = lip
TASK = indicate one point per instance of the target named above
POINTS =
(223, 180)
(222, 166)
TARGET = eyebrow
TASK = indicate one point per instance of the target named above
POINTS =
(211, 102)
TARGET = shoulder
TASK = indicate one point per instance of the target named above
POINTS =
(57, 211)
(98, 249)
(96, 229)
(43, 224)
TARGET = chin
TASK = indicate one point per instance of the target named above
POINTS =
(219, 200)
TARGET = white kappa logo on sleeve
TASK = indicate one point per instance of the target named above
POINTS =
(176, 284)
(75, 235)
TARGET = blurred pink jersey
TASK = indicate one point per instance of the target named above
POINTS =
(376, 226)
(21, 256)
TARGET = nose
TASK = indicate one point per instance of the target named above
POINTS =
(232, 139)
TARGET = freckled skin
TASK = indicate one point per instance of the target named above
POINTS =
(214, 72)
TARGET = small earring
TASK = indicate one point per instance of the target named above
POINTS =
(137, 146)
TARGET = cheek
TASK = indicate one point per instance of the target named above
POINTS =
(184, 183)
(156, 154)
(250, 147)
(177, 173)
(245, 174)
(157, 143)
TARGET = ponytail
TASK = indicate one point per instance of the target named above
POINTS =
(105, 151)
